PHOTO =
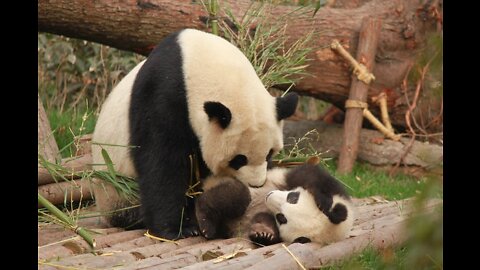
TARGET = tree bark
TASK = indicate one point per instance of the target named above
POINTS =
(139, 25)
(47, 146)
(73, 191)
(372, 147)
(368, 41)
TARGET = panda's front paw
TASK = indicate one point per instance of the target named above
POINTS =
(190, 230)
(165, 234)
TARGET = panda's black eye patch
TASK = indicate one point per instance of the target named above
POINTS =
(293, 196)
(269, 156)
(281, 218)
(238, 161)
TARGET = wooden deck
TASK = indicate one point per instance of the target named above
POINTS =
(378, 222)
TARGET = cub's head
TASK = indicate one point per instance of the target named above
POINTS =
(315, 209)
(239, 141)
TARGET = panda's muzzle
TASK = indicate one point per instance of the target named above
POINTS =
(268, 194)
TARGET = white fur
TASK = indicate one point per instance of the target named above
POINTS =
(113, 127)
(305, 219)
(216, 70)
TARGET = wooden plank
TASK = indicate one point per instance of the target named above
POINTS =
(79, 246)
(243, 262)
(111, 257)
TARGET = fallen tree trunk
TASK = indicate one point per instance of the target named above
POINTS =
(139, 25)
(373, 148)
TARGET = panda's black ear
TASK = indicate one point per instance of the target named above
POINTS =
(217, 112)
(286, 105)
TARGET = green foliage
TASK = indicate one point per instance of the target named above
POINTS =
(74, 78)
(69, 124)
(71, 71)
(266, 46)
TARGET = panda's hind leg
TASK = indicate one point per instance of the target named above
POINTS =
(264, 230)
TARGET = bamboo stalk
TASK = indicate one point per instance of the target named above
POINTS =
(367, 114)
(60, 215)
(359, 70)
(381, 99)
(296, 161)
(213, 16)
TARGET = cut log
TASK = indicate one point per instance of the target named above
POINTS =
(74, 165)
(69, 191)
(373, 148)
(47, 146)
(139, 25)
(367, 48)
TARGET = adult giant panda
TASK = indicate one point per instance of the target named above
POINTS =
(299, 205)
(195, 99)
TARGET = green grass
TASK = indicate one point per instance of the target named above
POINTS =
(68, 124)
(363, 181)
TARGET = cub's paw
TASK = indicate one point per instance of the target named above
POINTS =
(263, 234)
(207, 228)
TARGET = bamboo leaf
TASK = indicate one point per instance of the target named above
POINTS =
(109, 163)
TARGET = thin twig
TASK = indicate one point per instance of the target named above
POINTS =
(409, 112)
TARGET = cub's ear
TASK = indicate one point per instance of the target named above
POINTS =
(217, 112)
(286, 105)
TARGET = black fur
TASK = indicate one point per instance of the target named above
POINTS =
(129, 218)
(338, 214)
(281, 218)
(292, 197)
(227, 200)
(159, 125)
(264, 230)
(322, 186)
(269, 160)
(302, 240)
(238, 161)
(286, 105)
(217, 112)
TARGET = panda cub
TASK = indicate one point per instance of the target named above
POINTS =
(304, 204)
